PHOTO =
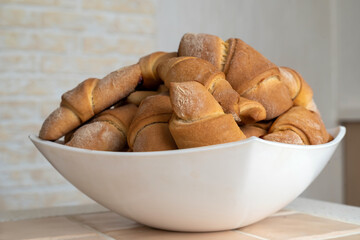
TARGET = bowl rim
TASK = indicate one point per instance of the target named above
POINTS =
(340, 130)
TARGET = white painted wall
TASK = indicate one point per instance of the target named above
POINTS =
(299, 34)
(349, 59)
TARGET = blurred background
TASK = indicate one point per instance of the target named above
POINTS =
(49, 46)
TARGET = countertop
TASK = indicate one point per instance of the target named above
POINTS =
(302, 219)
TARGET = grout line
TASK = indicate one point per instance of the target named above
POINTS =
(42, 189)
(89, 227)
(285, 213)
(330, 235)
(72, 9)
(67, 31)
(344, 235)
(250, 235)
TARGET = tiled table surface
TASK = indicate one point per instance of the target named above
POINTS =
(303, 219)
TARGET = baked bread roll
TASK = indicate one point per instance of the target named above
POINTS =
(137, 96)
(249, 72)
(94, 95)
(286, 136)
(89, 98)
(299, 123)
(257, 129)
(184, 69)
(300, 91)
(198, 118)
(148, 65)
(209, 47)
(149, 130)
(106, 132)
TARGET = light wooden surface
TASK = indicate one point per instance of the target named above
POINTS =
(97, 223)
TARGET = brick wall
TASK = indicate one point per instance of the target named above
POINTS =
(46, 48)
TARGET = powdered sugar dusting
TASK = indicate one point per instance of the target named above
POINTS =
(191, 101)
(98, 136)
(205, 46)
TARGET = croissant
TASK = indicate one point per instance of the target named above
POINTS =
(300, 91)
(106, 132)
(183, 69)
(299, 126)
(94, 95)
(89, 98)
(198, 118)
(257, 129)
(148, 65)
(249, 73)
(149, 130)
(137, 96)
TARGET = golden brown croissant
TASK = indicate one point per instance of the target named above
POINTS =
(300, 91)
(299, 126)
(183, 69)
(107, 132)
(137, 96)
(94, 95)
(257, 129)
(198, 118)
(249, 72)
(89, 98)
(148, 65)
(149, 130)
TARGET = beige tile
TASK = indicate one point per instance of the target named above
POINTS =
(351, 237)
(146, 233)
(104, 222)
(283, 212)
(46, 228)
(299, 226)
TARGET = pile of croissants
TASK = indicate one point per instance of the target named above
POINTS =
(209, 92)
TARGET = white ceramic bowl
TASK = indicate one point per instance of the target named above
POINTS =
(212, 188)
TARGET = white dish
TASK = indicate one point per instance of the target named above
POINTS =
(211, 188)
